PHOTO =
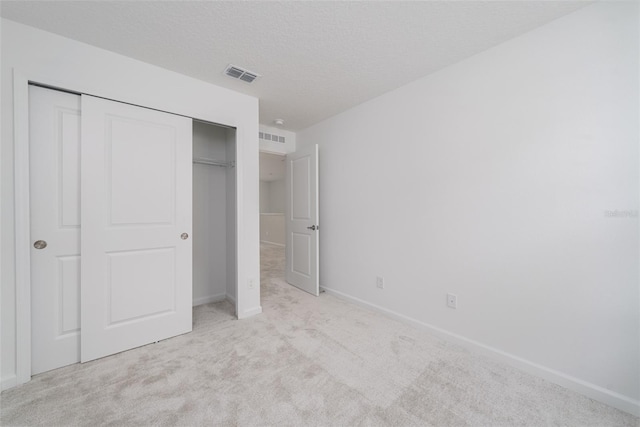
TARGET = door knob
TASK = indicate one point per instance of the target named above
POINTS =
(40, 244)
(313, 227)
(184, 236)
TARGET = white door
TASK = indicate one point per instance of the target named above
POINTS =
(54, 128)
(136, 226)
(301, 220)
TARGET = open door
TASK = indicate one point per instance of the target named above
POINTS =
(136, 227)
(301, 220)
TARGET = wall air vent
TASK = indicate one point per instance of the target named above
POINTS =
(240, 73)
(271, 137)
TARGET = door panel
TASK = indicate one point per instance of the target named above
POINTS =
(142, 199)
(54, 145)
(301, 257)
(136, 204)
(300, 183)
(133, 276)
(301, 220)
(69, 294)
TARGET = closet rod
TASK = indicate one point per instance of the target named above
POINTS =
(212, 162)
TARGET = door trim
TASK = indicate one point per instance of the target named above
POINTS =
(22, 217)
(22, 222)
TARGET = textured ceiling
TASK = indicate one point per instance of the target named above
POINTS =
(317, 58)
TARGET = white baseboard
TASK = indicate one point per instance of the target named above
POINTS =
(250, 312)
(231, 299)
(8, 382)
(593, 391)
(208, 299)
(272, 243)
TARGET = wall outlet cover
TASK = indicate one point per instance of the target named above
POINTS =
(452, 300)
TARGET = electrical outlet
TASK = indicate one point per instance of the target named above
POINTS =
(380, 282)
(252, 283)
(452, 300)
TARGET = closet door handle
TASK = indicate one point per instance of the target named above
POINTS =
(184, 236)
(313, 227)
(40, 244)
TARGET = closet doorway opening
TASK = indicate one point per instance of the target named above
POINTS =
(186, 172)
(214, 214)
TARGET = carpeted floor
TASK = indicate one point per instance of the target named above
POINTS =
(305, 361)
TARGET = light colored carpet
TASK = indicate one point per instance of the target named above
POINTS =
(305, 361)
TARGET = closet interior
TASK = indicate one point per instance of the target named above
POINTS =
(214, 213)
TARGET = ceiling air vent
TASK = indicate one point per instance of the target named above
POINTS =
(240, 73)
(272, 138)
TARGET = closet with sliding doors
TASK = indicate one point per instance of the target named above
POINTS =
(132, 223)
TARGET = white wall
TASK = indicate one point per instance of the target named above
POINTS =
(57, 61)
(491, 179)
(272, 228)
(264, 196)
(276, 196)
(272, 198)
(272, 204)
(209, 215)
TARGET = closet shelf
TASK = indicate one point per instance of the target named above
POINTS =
(213, 162)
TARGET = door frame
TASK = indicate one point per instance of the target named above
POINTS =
(22, 217)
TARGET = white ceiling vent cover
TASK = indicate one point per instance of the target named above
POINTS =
(241, 73)
(271, 137)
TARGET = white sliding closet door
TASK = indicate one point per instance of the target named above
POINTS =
(136, 226)
(54, 146)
